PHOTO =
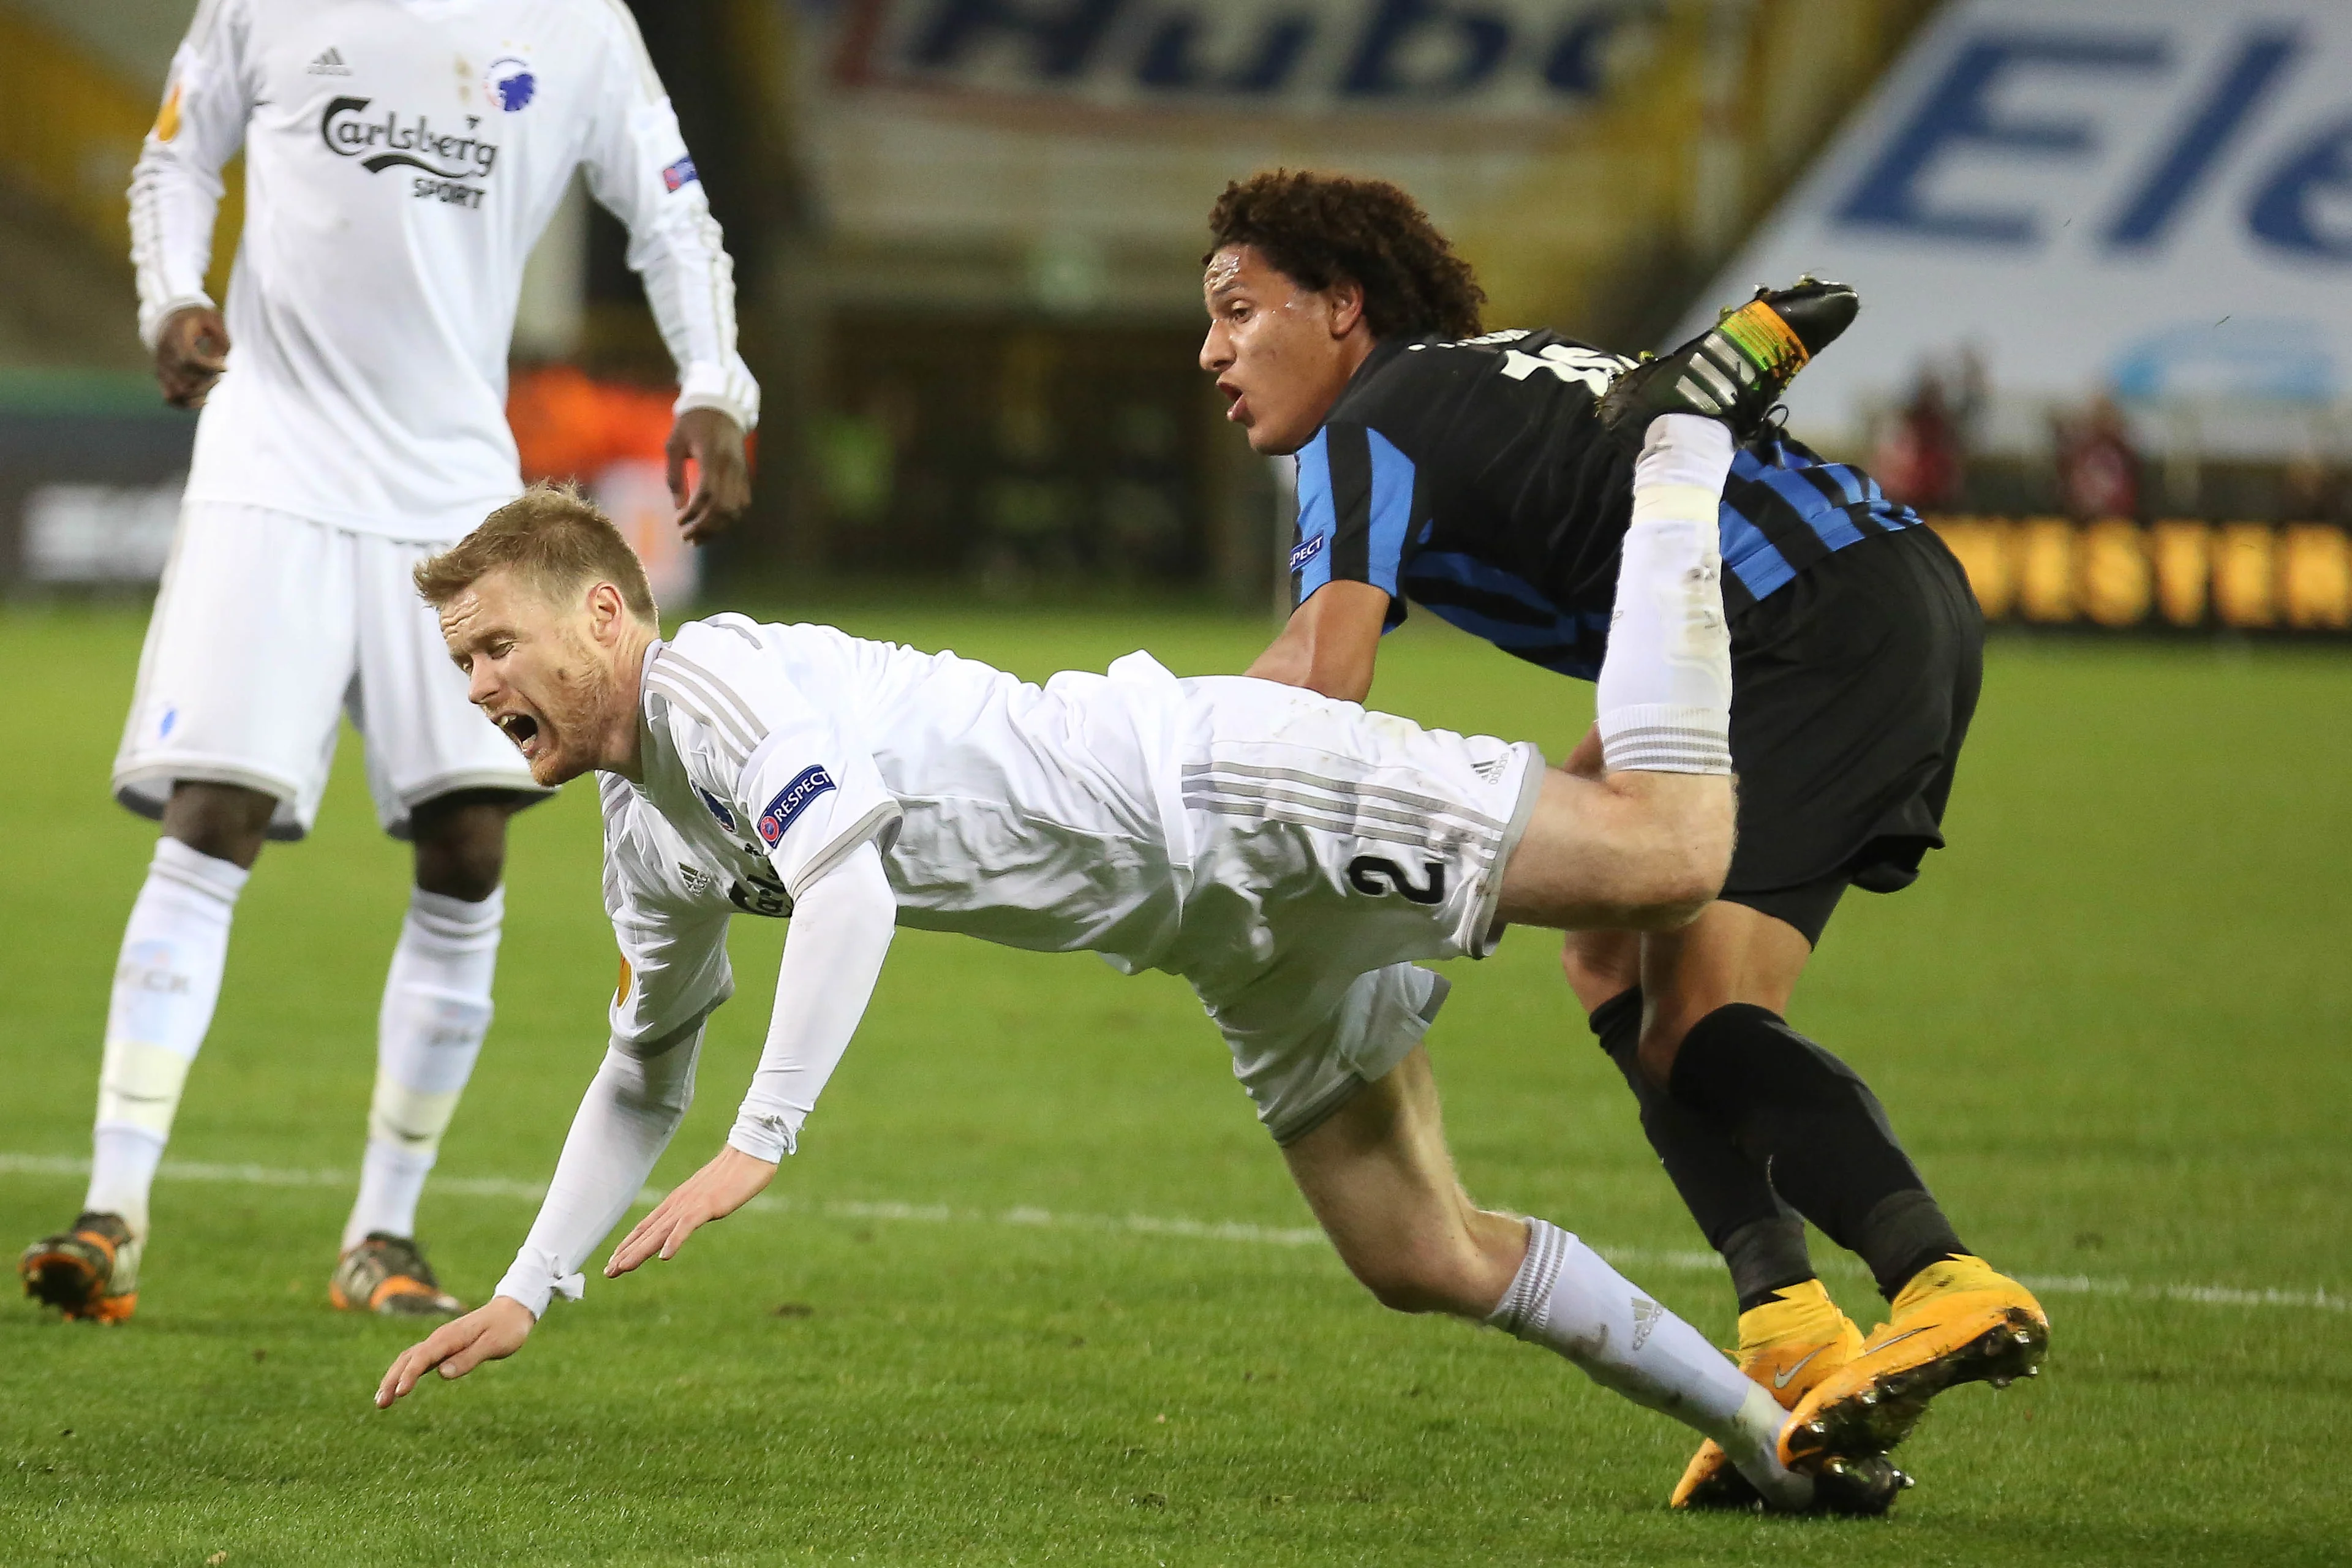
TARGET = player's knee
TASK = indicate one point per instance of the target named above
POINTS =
(226, 822)
(1662, 1041)
(461, 849)
(1404, 1277)
(1680, 878)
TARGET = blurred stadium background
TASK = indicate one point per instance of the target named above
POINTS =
(2104, 258)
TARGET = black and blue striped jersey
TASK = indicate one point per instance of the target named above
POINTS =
(1474, 477)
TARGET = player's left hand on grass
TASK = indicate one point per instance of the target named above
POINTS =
(714, 1192)
(722, 484)
(491, 1332)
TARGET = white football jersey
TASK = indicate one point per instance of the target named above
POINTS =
(1033, 817)
(401, 158)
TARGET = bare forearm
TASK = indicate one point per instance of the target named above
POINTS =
(1330, 643)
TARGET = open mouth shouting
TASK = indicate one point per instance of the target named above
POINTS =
(524, 731)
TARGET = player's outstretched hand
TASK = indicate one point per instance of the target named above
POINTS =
(191, 352)
(714, 1192)
(722, 482)
(489, 1332)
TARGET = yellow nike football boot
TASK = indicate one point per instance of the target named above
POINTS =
(1957, 1322)
(1789, 1344)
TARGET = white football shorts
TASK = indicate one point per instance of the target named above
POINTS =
(266, 629)
(1331, 847)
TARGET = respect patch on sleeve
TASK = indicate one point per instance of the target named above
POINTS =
(679, 175)
(789, 802)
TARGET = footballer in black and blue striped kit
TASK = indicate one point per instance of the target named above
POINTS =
(1488, 477)
(1511, 533)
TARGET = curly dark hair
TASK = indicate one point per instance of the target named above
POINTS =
(1318, 229)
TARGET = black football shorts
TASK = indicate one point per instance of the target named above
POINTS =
(1851, 691)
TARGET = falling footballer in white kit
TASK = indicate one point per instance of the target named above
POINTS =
(1289, 854)
(401, 159)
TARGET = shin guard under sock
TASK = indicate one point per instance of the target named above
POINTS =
(1762, 1239)
(437, 1008)
(1820, 1135)
(166, 985)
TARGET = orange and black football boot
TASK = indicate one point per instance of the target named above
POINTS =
(1789, 1344)
(1737, 370)
(386, 1275)
(90, 1272)
(1957, 1322)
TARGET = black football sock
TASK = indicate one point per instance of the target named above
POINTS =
(1815, 1126)
(1762, 1239)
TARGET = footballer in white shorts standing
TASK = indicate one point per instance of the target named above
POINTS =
(401, 159)
(1290, 855)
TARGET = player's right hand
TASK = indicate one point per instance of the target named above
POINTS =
(191, 352)
(491, 1332)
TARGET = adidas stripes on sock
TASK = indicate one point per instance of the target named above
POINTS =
(1566, 1299)
(436, 1009)
(166, 983)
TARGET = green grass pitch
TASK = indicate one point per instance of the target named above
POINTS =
(2111, 1023)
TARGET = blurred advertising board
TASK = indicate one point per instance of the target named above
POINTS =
(2150, 199)
(1062, 155)
(2186, 576)
(91, 471)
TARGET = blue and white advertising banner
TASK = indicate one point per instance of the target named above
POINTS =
(2146, 198)
(1497, 59)
(1093, 134)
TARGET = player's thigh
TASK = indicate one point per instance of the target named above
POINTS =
(1378, 1165)
(1730, 954)
(249, 652)
(1383, 1186)
(1852, 688)
(424, 739)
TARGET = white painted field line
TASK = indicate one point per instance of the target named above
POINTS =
(1635, 1258)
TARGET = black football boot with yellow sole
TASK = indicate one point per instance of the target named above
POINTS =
(1738, 370)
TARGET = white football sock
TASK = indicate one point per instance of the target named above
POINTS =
(1664, 695)
(437, 1008)
(166, 983)
(1566, 1299)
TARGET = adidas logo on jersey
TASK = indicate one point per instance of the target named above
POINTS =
(329, 64)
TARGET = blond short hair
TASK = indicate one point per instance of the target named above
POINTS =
(552, 535)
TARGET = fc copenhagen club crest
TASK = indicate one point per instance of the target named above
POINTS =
(509, 83)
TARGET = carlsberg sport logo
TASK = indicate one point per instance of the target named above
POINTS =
(446, 158)
(388, 141)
